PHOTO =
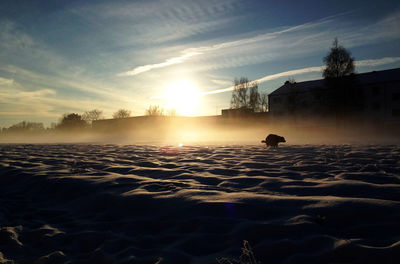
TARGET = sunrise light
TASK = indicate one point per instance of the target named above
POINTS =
(184, 97)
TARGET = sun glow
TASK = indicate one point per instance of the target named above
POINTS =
(184, 97)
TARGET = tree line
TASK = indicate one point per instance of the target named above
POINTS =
(73, 121)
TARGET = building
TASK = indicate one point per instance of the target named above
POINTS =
(237, 113)
(369, 98)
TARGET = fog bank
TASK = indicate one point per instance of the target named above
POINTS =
(213, 130)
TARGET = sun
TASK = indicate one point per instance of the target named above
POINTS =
(184, 97)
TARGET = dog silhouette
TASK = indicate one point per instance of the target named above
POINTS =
(272, 140)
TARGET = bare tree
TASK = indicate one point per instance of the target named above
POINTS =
(264, 102)
(254, 97)
(245, 94)
(93, 115)
(121, 113)
(338, 62)
(291, 80)
(239, 95)
(155, 110)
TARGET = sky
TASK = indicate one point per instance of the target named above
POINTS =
(61, 56)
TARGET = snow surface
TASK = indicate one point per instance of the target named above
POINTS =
(82, 203)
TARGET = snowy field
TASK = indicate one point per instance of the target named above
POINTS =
(77, 203)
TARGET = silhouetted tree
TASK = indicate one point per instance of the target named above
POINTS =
(338, 62)
(254, 97)
(25, 127)
(121, 113)
(93, 115)
(239, 95)
(72, 121)
(264, 102)
(245, 94)
(155, 110)
(291, 80)
(344, 95)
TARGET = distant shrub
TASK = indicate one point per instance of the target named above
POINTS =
(92, 115)
(122, 113)
(155, 110)
(71, 121)
(25, 127)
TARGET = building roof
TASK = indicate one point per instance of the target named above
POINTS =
(362, 78)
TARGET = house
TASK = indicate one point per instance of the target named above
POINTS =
(372, 97)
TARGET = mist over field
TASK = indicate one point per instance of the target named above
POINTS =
(211, 130)
(197, 190)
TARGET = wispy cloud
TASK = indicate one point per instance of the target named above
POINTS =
(155, 21)
(361, 63)
(294, 42)
(376, 62)
(192, 52)
(35, 94)
(168, 62)
(221, 82)
(36, 82)
(300, 41)
(272, 77)
(39, 103)
(5, 81)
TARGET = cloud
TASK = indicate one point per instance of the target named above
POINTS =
(299, 42)
(221, 82)
(361, 63)
(154, 22)
(30, 80)
(272, 77)
(376, 62)
(11, 37)
(37, 82)
(25, 99)
(37, 93)
(5, 81)
(40, 103)
(192, 52)
(291, 42)
(290, 73)
(168, 62)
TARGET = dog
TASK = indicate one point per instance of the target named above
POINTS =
(272, 140)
